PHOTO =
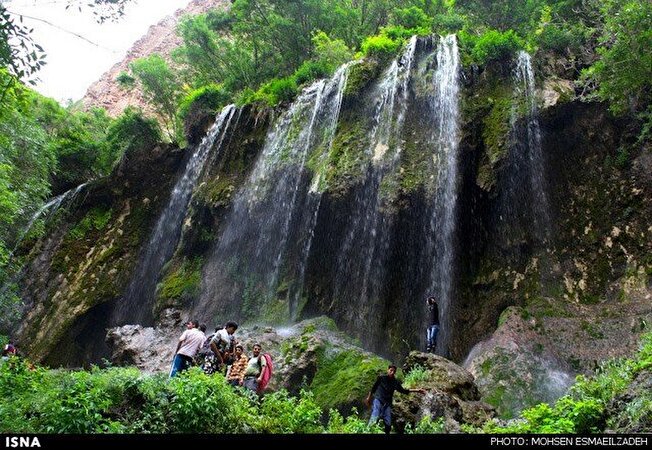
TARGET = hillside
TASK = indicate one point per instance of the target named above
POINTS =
(160, 38)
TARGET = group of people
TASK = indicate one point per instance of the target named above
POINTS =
(220, 352)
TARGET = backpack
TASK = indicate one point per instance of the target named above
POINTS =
(267, 372)
(205, 349)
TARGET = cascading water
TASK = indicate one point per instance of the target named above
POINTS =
(522, 214)
(441, 236)
(246, 265)
(314, 196)
(48, 210)
(362, 255)
(527, 146)
(136, 306)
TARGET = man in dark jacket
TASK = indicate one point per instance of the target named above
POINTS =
(433, 324)
(383, 395)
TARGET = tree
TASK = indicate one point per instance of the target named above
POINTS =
(624, 72)
(161, 88)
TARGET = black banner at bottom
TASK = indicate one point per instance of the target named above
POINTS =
(330, 441)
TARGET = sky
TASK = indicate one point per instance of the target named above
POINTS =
(72, 63)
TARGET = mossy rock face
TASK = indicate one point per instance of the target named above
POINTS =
(450, 392)
(516, 368)
(331, 365)
(360, 76)
(88, 260)
(180, 285)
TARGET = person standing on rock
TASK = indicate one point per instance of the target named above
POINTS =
(383, 395)
(433, 324)
(255, 368)
(189, 342)
(223, 344)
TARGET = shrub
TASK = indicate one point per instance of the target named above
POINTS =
(494, 46)
(277, 91)
(133, 132)
(311, 70)
(204, 100)
(380, 46)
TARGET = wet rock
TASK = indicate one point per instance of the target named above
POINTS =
(515, 368)
(451, 394)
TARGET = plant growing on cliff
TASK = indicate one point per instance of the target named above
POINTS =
(624, 72)
(161, 89)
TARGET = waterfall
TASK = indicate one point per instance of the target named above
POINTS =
(136, 306)
(441, 235)
(48, 210)
(314, 196)
(246, 269)
(527, 145)
(361, 259)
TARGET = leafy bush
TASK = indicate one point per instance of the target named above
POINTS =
(412, 18)
(417, 375)
(311, 70)
(624, 72)
(133, 132)
(426, 426)
(207, 99)
(380, 46)
(353, 424)
(495, 46)
(277, 91)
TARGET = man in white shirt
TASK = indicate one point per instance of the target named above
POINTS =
(189, 342)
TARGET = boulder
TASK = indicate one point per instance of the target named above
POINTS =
(451, 394)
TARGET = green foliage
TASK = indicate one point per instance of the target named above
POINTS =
(416, 377)
(277, 91)
(427, 426)
(96, 219)
(125, 80)
(624, 71)
(412, 18)
(380, 46)
(161, 88)
(207, 99)
(132, 132)
(311, 70)
(19, 54)
(281, 413)
(331, 53)
(502, 15)
(353, 424)
(494, 46)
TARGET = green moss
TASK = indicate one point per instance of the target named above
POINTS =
(347, 156)
(360, 75)
(495, 134)
(345, 377)
(276, 312)
(180, 284)
(96, 219)
(217, 191)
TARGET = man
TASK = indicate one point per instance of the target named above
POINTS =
(433, 324)
(254, 373)
(238, 368)
(383, 394)
(189, 342)
(223, 343)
